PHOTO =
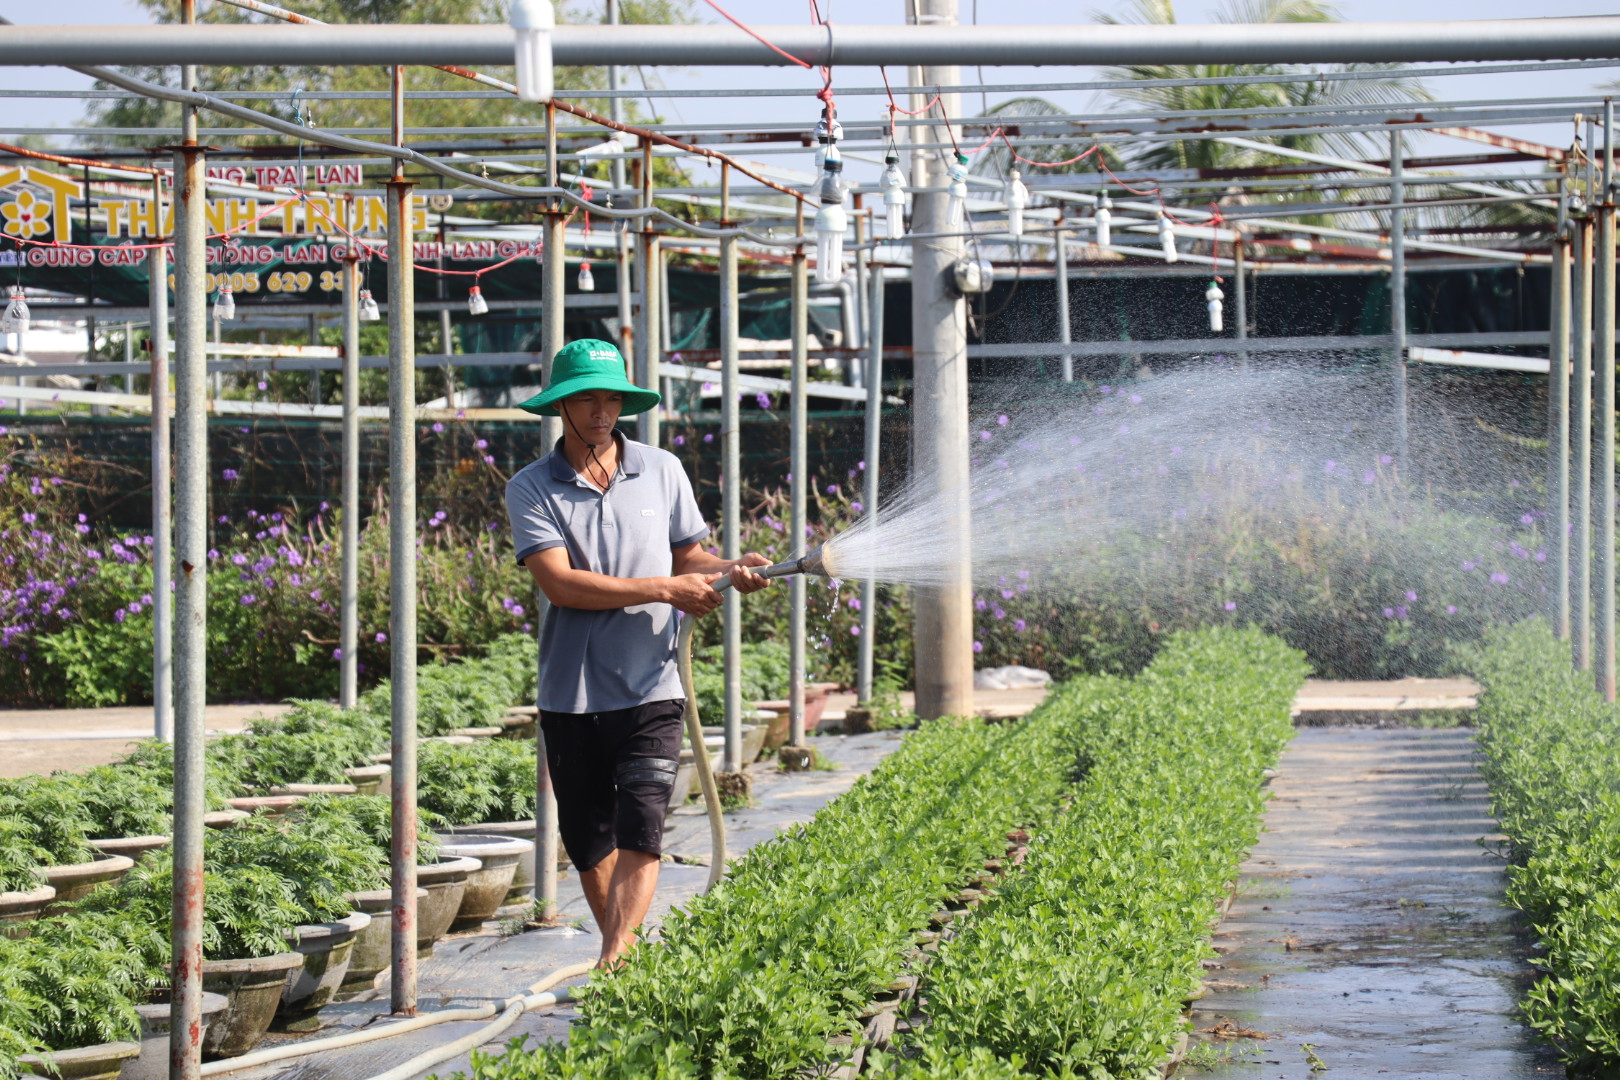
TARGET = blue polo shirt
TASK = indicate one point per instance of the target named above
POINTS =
(598, 661)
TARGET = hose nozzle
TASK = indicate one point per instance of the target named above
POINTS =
(813, 563)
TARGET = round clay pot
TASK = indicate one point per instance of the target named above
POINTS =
(271, 805)
(369, 779)
(373, 946)
(99, 1062)
(224, 819)
(78, 880)
(326, 948)
(252, 989)
(153, 1064)
(18, 909)
(488, 886)
(521, 891)
(446, 883)
(134, 847)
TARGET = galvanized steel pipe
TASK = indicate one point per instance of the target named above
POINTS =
(1397, 296)
(1581, 376)
(869, 491)
(730, 501)
(693, 46)
(157, 340)
(349, 531)
(1060, 257)
(1558, 435)
(1603, 288)
(798, 484)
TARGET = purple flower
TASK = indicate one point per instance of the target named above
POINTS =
(480, 444)
(1230, 605)
(29, 518)
(708, 436)
(1106, 389)
(517, 609)
(978, 646)
(832, 489)
(1527, 519)
(1020, 625)
(230, 474)
(380, 638)
(998, 613)
(1410, 596)
(1369, 477)
(1541, 555)
(856, 507)
(1469, 565)
(1023, 575)
(680, 440)
(1006, 594)
(337, 654)
(134, 609)
(438, 428)
(1002, 421)
(1329, 465)
(984, 435)
(855, 631)
(489, 459)
(763, 400)
(1389, 613)
(854, 603)
(1451, 609)
(1499, 578)
(1136, 399)
(118, 616)
(980, 605)
(263, 385)
(1400, 612)
(248, 599)
(314, 594)
(1124, 429)
(1385, 459)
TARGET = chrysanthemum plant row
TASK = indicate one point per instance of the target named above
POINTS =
(1141, 796)
(1551, 755)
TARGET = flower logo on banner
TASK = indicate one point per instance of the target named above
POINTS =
(25, 216)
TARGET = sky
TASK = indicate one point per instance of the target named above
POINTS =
(63, 113)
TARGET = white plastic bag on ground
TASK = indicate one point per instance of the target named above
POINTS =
(1011, 677)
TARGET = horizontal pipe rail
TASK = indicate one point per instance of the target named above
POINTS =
(1586, 38)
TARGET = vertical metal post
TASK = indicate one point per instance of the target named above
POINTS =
(1397, 293)
(1060, 258)
(554, 286)
(730, 498)
(1603, 402)
(157, 267)
(191, 598)
(863, 317)
(349, 538)
(314, 373)
(1558, 434)
(1581, 378)
(665, 341)
(621, 230)
(874, 442)
(129, 355)
(650, 262)
(944, 613)
(402, 567)
(1240, 300)
(799, 486)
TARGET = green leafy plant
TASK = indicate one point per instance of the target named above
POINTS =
(20, 855)
(321, 854)
(486, 780)
(55, 824)
(121, 801)
(373, 816)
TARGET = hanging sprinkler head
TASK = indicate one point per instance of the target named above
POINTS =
(1017, 197)
(533, 22)
(894, 195)
(956, 207)
(476, 304)
(1213, 296)
(587, 280)
(225, 305)
(1167, 238)
(828, 132)
(16, 318)
(369, 311)
(1104, 218)
(831, 222)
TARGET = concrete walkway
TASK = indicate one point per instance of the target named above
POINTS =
(1368, 933)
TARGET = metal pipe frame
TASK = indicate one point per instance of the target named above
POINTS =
(798, 487)
(402, 579)
(349, 540)
(1603, 282)
(1596, 37)
(1397, 296)
(1558, 435)
(730, 499)
(1581, 378)
(1065, 327)
(1240, 301)
(162, 496)
(874, 446)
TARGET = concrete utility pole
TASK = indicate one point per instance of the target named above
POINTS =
(944, 614)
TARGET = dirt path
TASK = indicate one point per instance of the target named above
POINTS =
(1369, 925)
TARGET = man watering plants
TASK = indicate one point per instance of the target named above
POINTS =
(611, 532)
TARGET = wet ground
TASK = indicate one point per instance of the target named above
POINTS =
(1368, 936)
(490, 966)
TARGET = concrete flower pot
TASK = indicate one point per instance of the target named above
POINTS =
(18, 909)
(369, 779)
(488, 886)
(133, 847)
(271, 805)
(479, 732)
(521, 892)
(224, 819)
(446, 883)
(753, 739)
(99, 1062)
(373, 946)
(520, 726)
(153, 1063)
(77, 880)
(326, 948)
(313, 789)
(252, 990)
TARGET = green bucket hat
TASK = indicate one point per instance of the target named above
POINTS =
(589, 364)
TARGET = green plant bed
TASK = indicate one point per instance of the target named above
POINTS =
(470, 783)
(1551, 748)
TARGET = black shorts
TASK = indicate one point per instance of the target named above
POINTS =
(613, 773)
